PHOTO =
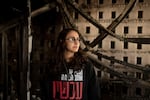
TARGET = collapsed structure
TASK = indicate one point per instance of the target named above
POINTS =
(28, 39)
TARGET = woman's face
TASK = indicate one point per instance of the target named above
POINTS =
(72, 42)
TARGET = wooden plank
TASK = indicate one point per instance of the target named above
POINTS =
(5, 65)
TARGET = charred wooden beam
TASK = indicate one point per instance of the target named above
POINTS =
(141, 40)
(107, 68)
(22, 61)
(105, 31)
(114, 24)
(65, 13)
(68, 19)
(43, 9)
(14, 22)
(75, 6)
(5, 66)
(121, 76)
(141, 68)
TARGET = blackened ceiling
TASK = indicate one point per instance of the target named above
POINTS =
(10, 9)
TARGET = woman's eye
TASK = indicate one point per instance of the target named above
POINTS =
(72, 39)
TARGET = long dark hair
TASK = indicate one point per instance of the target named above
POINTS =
(57, 59)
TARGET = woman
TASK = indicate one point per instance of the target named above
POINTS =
(70, 75)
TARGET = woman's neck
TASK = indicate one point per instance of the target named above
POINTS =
(68, 56)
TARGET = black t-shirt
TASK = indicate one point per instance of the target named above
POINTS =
(72, 85)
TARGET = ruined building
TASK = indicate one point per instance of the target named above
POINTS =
(114, 33)
(134, 26)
